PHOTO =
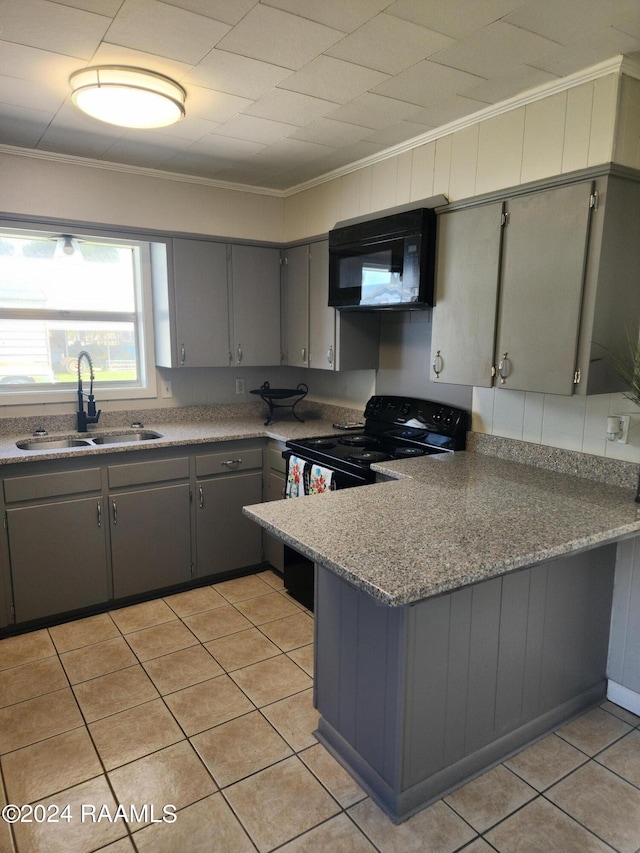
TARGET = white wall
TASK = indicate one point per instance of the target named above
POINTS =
(52, 188)
(592, 123)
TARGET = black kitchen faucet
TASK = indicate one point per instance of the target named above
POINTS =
(90, 416)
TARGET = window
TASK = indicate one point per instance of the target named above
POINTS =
(61, 294)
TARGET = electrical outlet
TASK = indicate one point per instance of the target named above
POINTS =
(167, 390)
(239, 386)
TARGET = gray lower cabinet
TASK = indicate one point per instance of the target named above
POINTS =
(226, 539)
(417, 699)
(150, 539)
(150, 524)
(78, 537)
(58, 557)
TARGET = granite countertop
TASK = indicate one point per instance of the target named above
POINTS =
(450, 520)
(211, 424)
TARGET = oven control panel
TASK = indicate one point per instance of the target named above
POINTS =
(409, 411)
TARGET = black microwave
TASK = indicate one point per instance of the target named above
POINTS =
(385, 263)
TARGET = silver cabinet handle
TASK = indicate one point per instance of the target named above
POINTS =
(437, 364)
(304, 354)
(330, 354)
(239, 353)
(201, 496)
(183, 354)
(114, 509)
(504, 368)
(230, 462)
(99, 513)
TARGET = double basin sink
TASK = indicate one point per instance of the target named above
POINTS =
(63, 443)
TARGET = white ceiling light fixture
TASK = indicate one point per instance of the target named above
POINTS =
(128, 97)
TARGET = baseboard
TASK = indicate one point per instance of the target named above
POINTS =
(627, 699)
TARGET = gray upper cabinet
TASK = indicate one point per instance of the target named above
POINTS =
(322, 318)
(334, 340)
(191, 304)
(531, 290)
(295, 306)
(467, 273)
(543, 268)
(255, 288)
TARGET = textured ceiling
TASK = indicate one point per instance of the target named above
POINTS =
(280, 92)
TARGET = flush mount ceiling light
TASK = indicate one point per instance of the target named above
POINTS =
(129, 97)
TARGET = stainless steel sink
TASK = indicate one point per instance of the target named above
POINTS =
(121, 438)
(51, 443)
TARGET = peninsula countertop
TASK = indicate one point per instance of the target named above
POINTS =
(451, 520)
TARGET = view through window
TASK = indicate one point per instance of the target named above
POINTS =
(60, 295)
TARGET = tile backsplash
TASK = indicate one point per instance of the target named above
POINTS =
(572, 423)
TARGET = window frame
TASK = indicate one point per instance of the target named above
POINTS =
(147, 389)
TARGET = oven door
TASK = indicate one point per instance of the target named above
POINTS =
(298, 570)
(299, 484)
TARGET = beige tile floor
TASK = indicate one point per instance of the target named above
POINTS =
(202, 701)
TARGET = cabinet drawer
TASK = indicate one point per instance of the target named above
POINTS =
(228, 460)
(148, 472)
(51, 485)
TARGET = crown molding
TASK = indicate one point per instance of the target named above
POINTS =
(618, 65)
(72, 160)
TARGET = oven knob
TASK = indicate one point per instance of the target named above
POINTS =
(437, 417)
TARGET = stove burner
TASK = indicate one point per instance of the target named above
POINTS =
(358, 440)
(409, 451)
(407, 432)
(320, 442)
(368, 456)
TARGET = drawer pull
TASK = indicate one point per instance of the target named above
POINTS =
(230, 462)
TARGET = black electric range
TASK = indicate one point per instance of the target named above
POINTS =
(394, 428)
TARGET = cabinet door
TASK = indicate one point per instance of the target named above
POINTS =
(464, 315)
(201, 303)
(543, 268)
(227, 539)
(58, 557)
(255, 279)
(295, 307)
(322, 318)
(150, 539)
